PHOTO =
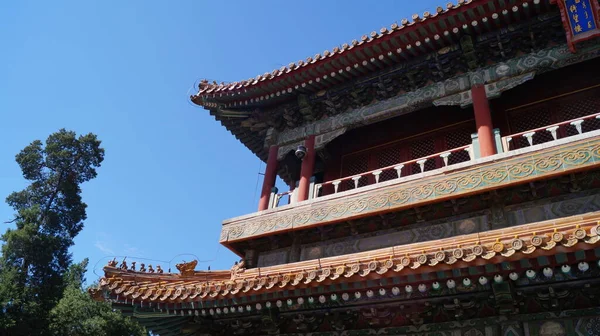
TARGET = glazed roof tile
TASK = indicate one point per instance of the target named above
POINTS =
(259, 101)
(504, 244)
(365, 39)
(404, 27)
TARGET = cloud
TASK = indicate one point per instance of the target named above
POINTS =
(131, 250)
(105, 249)
(108, 245)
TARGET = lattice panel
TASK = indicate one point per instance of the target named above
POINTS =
(421, 148)
(530, 118)
(563, 109)
(576, 108)
(458, 138)
(352, 165)
(388, 156)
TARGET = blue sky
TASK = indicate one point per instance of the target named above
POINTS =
(124, 70)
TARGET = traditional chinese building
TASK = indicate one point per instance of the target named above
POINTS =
(444, 178)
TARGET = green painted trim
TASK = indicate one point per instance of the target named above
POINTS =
(538, 62)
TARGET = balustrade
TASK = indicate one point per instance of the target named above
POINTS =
(591, 121)
(527, 138)
(365, 177)
(276, 197)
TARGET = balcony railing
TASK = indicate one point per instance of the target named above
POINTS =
(509, 143)
(364, 179)
(551, 132)
(276, 198)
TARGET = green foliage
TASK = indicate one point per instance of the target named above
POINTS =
(77, 314)
(49, 213)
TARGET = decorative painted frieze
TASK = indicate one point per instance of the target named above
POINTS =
(493, 174)
(492, 90)
(537, 62)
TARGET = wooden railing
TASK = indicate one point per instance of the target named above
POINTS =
(363, 179)
(525, 139)
(508, 142)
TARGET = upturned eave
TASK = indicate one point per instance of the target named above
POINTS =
(411, 38)
(569, 234)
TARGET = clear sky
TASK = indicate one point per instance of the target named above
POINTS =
(124, 70)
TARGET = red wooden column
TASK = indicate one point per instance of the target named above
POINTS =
(483, 121)
(269, 180)
(308, 167)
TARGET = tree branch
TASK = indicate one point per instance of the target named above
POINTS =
(52, 197)
(57, 189)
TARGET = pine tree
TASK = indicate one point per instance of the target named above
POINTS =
(77, 314)
(49, 213)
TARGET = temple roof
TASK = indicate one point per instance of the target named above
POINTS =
(373, 39)
(543, 238)
(283, 98)
(411, 37)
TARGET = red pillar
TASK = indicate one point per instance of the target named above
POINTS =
(308, 167)
(269, 180)
(483, 121)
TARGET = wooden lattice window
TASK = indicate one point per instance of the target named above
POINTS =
(529, 118)
(353, 165)
(580, 107)
(405, 150)
(389, 156)
(421, 148)
(553, 111)
(458, 138)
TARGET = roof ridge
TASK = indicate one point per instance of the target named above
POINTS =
(206, 86)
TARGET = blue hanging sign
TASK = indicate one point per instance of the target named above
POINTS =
(581, 16)
(580, 19)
